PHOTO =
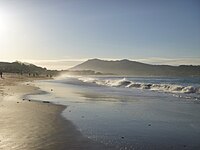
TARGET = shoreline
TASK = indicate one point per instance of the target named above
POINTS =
(33, 124)
(125, 119)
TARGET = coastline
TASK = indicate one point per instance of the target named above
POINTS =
(124, 118)
(33, 124)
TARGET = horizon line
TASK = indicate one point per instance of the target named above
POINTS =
(62, 64)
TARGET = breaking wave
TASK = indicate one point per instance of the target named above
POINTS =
(172, 88)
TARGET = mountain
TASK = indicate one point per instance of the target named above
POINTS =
(127, 67)
(19, 67)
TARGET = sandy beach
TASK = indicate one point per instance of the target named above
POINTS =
(31, 125)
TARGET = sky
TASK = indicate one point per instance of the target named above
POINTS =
(67, 32)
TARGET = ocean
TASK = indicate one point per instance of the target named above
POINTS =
(130, 112)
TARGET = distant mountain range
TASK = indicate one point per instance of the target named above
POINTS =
(19, 67)
(127, 67)
(103, 67)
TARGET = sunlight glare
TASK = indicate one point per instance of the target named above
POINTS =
(4, 22)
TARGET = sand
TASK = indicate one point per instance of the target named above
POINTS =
(31, 125)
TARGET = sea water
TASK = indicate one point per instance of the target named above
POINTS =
(130, 112)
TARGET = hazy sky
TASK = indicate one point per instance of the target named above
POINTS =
(80, 29)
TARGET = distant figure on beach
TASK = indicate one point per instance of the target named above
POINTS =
(1, 74)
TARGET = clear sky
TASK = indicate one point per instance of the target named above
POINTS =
(113, 29)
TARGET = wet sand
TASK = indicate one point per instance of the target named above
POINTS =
(31, 125)
(124, 118)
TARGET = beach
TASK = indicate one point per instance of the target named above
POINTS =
(76, 113)
(32, 125)
(99, 75)
(107, 110)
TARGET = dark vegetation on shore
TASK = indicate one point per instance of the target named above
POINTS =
(84, 72)
(25, 68)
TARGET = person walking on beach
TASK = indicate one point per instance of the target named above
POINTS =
(1, 74)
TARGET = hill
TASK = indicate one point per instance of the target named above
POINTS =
(127, 67)
(19, 67)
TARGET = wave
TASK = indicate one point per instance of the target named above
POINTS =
(172, 88)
